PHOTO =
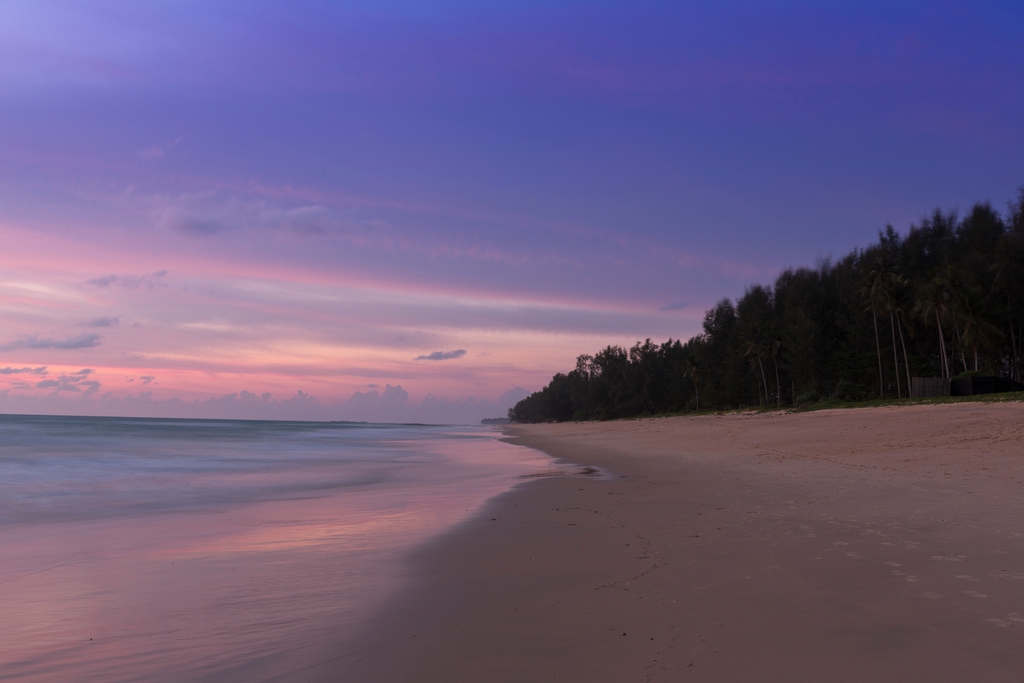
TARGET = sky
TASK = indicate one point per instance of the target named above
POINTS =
(420, 211)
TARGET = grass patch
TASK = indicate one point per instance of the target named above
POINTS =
(831, 404)
(828, 404)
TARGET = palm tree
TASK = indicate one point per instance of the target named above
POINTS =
(1005, 267)
(951, 280)
(872, 289)
(693, 372)
(933, 302)
(883, 280)
(773, 348)
(977, 312)
(895, 301)
(755, 347)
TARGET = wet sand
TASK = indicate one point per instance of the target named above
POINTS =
(872, 544)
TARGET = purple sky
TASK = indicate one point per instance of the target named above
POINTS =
(312, 199)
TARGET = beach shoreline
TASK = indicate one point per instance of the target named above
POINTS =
(152, 550)
(882, 543)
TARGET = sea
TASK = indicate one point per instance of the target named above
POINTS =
(158, 550)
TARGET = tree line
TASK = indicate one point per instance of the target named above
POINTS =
(944, 300)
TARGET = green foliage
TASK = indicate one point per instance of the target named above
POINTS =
(831, 404)
(972, 373)
(811, 396)
(947, 298)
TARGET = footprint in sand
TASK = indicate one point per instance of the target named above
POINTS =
(694, 652)
(950, 558)
(1011, 619)
(975, 594)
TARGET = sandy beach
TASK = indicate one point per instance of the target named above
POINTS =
(882, 544)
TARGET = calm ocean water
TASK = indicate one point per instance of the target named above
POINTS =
(195, 550)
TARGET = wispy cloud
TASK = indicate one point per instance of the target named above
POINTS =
(104, 321)
(208, 213)
(41, 370)
(676, 306)
(72, 382)
(149, 280)
(443, 355)
(302, 402)
(82, 341)
(158, 151)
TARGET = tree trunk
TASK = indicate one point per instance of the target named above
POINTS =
(778, 387)
(942, 346)
(1020, 331)
(1013, 337)
(906, 363)
(895, 354)
(761, 365)
(960, 345)
(878, 350)
(697, 393)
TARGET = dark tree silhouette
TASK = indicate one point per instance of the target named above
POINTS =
(820, 329)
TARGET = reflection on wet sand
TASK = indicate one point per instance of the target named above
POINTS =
(246, 591)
